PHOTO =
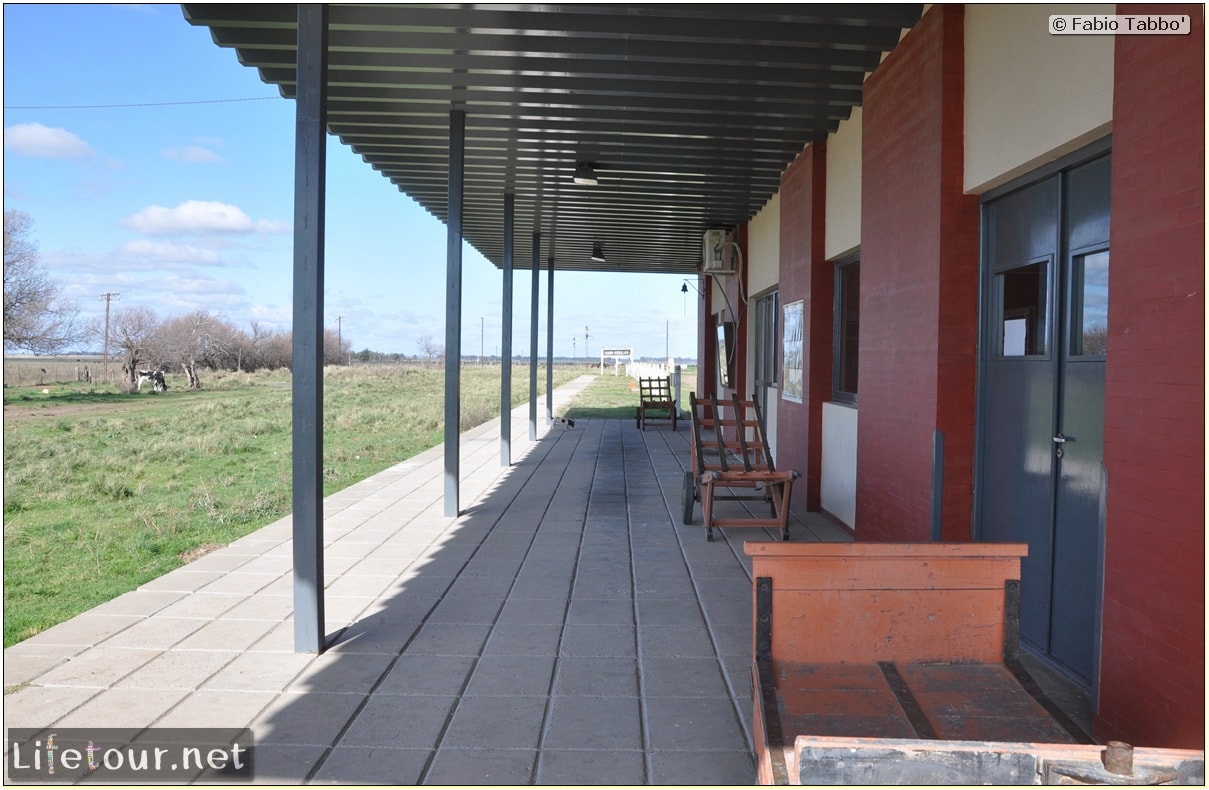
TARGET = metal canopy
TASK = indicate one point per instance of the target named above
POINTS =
(687, 114)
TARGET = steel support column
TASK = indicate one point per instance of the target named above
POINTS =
(310, 168)
(453, 310)
(550, 342)
(537, 268)
(506, 340)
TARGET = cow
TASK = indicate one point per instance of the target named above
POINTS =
(156, 377)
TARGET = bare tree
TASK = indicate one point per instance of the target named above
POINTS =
(190, 341)
(430, 348)
(133, 331)
(228, 345)
(335, 349)
(36, 317)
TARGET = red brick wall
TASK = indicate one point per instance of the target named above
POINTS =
(805, 275)
(957, 354)
(919, 281)
(1152, 666)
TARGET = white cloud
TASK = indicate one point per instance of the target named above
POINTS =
(169, 252)
(199, 216)
(192, 153)
(34, 139)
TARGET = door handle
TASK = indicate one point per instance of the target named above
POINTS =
(1059, 439)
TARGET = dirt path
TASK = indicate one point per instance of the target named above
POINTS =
(15, 413)
(34, 410)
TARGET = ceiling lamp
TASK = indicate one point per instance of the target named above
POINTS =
(585, 174)
(598, 252)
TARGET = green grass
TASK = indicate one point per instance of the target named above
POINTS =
(608, 397)
(105, 491)
(612, 397)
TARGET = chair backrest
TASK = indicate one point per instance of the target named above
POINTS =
(655, 390)
(731, 433)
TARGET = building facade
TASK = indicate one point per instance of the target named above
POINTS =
(976, 312)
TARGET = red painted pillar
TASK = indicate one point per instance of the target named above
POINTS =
(919, 289)
(1152, 665)
(806, 275)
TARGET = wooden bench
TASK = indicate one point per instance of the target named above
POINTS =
(655, 394)
(878, 663)
(729, 451)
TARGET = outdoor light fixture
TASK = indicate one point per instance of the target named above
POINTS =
(684, 288)
(585, 174)
(598, 252)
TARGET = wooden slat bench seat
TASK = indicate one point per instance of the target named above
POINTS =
(878, 663)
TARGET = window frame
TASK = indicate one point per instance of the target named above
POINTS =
(840, 315)
(767, 339)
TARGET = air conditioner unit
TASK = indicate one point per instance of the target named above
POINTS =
(716, 254)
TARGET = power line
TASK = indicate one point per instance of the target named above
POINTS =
(119, 106)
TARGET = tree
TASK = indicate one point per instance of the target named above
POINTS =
(430, 348)
(335, 349)
(133, 332)
(191, 341)
(36, 317)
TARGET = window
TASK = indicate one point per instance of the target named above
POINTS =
(847, 330)
(726, 353)
(1022, 309)
(768, 344)
(1089, 305)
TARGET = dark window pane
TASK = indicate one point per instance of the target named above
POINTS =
(1023, 295)
(848, 324)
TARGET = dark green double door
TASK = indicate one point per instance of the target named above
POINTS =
(1041, 478)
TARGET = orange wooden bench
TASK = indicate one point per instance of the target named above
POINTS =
(729, 451)
(880, 663)
(655, 394)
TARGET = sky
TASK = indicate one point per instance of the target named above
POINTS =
(156, 167)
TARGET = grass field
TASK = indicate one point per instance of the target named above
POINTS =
(104, 491)
(615, 398)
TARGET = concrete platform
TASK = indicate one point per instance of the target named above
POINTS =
(565, 629)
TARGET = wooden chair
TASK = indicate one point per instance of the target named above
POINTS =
(730, 451)
(655, 394)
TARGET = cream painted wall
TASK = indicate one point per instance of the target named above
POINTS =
(843, 211)
(764, 247)
(839, 462)
(764, 273)
(1030, 97)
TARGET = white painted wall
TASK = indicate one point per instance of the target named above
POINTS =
(1030, 97)
(839, 462)
(843, 209)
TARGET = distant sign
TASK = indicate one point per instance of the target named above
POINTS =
(617, 352)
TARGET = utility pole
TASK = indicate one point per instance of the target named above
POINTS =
(107, 298)
(482, 338)
(339, 336)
